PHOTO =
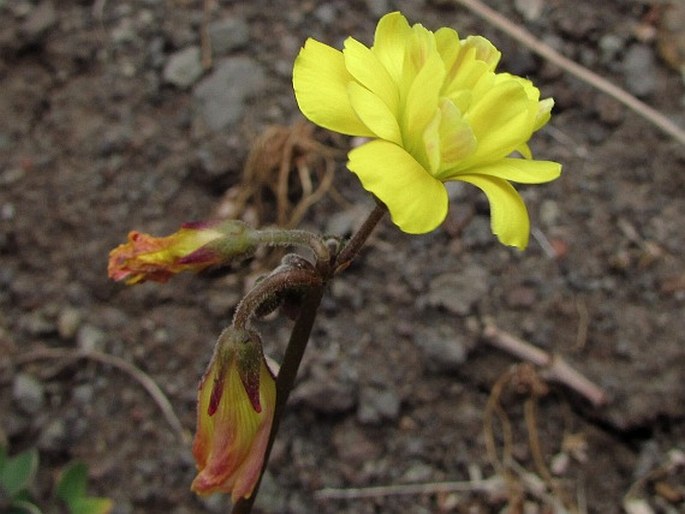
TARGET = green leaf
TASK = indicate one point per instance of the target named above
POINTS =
(18, 472)
(90, 506)
(72, 483)
(23, 507)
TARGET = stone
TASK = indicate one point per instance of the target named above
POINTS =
(28, 393)
(329, 389)
(183, 68)
(219, 98)
(549, 213)
(353, 446)
(271, 494)
(639, 68)
(529, 9)
(478, 233)
(90, 338)
(68, 322)
(442, 348)
(378, 405)
(227, 35)
(332, 397)
(521, 297)
(83, 394)
(53, 437)
(41, 19)
(458, 292)
(378, 7)
(326, 14)
(37, 324)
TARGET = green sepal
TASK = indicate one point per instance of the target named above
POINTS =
(72, 482)
(23, 507)
(71, 489)
(90, 506)
(17, 473)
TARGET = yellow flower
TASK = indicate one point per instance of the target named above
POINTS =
(436, 111)
(236, 402)
(194, 247)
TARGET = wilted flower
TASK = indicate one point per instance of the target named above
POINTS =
(436, 111)
(194, 247)
(236, 402)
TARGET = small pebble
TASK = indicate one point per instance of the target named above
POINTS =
(90, 338)
(28, 393)
(183, 68)
(228, 34)
(377, 405)
(639, 67)
(68, 322)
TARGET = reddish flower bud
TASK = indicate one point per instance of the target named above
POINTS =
(194, 247)
(236, 402)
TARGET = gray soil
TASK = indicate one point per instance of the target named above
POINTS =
(108, 122)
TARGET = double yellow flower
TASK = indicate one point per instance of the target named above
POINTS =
(435, 111)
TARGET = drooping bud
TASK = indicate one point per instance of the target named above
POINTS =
(236, 402)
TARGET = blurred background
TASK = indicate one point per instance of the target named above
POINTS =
(120, 115)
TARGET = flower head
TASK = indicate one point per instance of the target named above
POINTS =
(235, 410)
(194, 247)
(436, 111)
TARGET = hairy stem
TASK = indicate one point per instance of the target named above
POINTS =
(351, 249)
(287, 237)
(303, 325)
(269, 288)
(286, 378)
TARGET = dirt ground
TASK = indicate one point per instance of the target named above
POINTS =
(109, 122)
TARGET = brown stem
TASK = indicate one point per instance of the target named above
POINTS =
(269, 288)
(302, 328)
(351, 249)
(286, 378)
(288, 237)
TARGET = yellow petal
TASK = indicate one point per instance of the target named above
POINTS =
(419, 47)
(367, 69)
(485, 50)
(508, 214)
(447, 44)
(374, 113)
(456, 137)
(422, 104)
(432, 144)
(544, 113)
(417, 202)
(464, 72)
(523, 171)
(524, 150)
(448, 139)
(501, 119)
(251, 468)
(320, 81)
(389, 43)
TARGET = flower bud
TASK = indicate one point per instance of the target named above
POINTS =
(194, 247)
(236, 402)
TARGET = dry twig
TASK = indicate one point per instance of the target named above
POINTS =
(104, 358)
(277, 155)
(492, 485)
(522, 378)
(554, 368)
(527, 39)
